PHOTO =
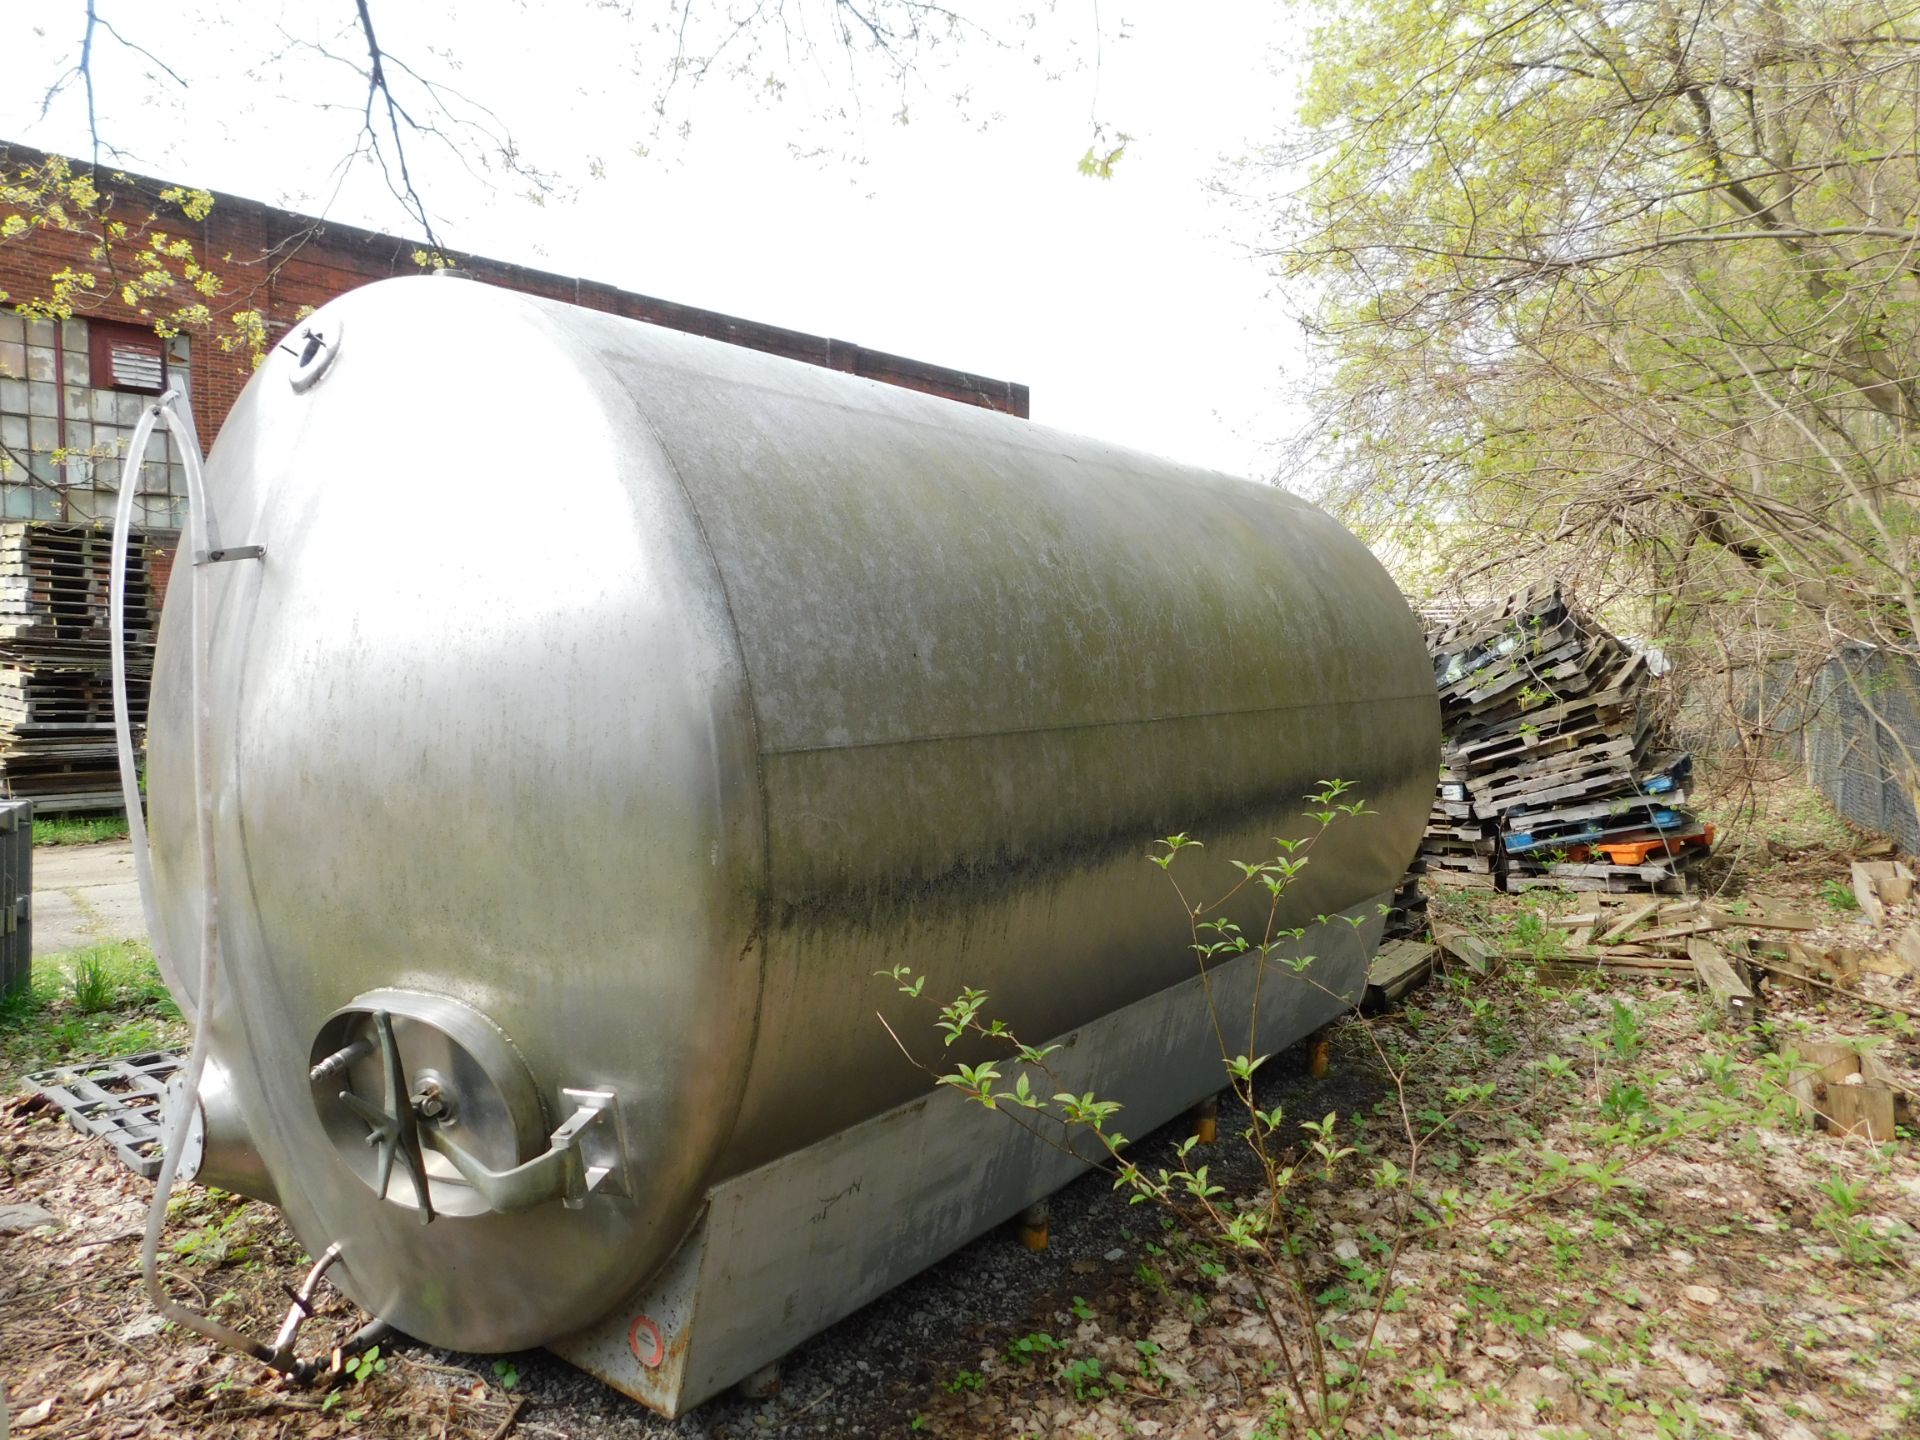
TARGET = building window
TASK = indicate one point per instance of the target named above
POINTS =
(71, 392)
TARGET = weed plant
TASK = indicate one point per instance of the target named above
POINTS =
(1522, 1126)
(1264, 1236)
(91, 981)
(102, 1000)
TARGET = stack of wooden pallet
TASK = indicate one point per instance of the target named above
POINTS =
(1553, 775)
(56, 682)
(1407, 911)
(1456, 841)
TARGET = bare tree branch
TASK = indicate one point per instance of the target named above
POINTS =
(82, 70)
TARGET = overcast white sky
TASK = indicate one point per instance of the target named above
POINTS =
(1131, 307)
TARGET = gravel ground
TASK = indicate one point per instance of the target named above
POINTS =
(872, 1372)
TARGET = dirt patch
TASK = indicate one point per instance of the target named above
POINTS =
(76, 1329)
(1709, 1283)
(86, 1355)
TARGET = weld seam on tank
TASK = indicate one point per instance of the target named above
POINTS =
(1069, 727)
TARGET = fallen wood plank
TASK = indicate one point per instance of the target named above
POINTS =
(1646, 967)
(1626, 957)
(1907, 947)
(1874, 1071)
(1632, 918)
(1868, 896)
(1878, 962)
(1441, 878)
(1776, 967)
(1800, 961)
(1670, 965)
(1396, 972)
(1678, 932)
(1849, 1091)
(1853, 1107)
(1892, 881)
(1462, 945)
(1720, 980)
(1756, 919)
(1833, 1060)
(1837, 962)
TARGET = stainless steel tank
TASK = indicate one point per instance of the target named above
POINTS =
(610, 704)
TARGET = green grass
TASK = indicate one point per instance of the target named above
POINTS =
(98, 1001)
(1801, 817)
(79, 829)
(92, 982)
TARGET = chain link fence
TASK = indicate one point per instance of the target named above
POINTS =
(1856, 729)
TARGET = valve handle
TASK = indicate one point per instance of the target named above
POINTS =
(394, 1130)
(560, 1173)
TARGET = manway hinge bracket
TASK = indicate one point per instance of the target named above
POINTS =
(603, 1144)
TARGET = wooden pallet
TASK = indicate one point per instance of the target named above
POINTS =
(1398, 968)
(1549, 744)
(56, 692)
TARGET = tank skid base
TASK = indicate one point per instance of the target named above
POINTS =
(784, 1251)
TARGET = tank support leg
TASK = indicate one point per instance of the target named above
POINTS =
(1319, 1053)
(1206, 1120)
(1033, 1225)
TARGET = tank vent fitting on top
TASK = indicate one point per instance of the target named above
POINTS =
(314, 352)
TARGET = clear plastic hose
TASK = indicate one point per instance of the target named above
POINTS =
(122, 723)
(201, 1011)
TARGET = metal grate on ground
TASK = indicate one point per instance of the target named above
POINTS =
(118, 1100)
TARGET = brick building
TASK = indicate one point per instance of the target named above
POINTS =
(71, 390)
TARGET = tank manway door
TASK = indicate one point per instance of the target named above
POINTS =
(428, 1102)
